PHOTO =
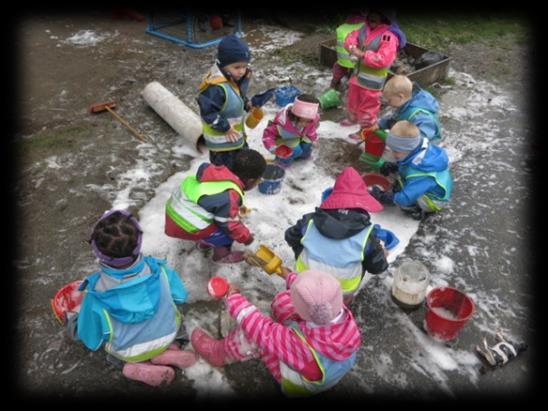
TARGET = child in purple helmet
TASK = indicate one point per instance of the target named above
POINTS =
(129, 304)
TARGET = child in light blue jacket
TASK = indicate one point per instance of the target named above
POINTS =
(413, 104)
(424, 181)
(129, 304)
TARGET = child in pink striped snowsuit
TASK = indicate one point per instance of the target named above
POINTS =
(308, 345)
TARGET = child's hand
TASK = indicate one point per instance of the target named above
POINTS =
(232, 289)
(285, 272)
(248, 105)
(232, 135)
(249, 240)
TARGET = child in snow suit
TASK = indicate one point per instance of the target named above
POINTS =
(222, 101)
(412, 104)
(204, 207)
(308, 345)
(293, 130)
(425, 182)
(339, 237)
(375, 45)
(129, 304)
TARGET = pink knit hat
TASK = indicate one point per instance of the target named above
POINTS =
(317, 296)
(350, 191)
(305, 109)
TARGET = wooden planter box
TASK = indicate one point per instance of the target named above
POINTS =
(424, 76)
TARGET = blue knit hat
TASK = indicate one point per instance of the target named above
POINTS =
(231, 50)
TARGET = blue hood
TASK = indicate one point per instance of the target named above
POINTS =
(421, 99)
(132, 301)
(435, 159)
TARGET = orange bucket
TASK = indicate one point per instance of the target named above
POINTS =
(254, 117)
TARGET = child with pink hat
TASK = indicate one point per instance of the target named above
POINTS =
(308, 346)
(291, 134)
(339, 237)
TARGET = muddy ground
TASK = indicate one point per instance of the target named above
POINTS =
(58, 200)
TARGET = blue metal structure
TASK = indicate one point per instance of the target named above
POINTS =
(155, 30)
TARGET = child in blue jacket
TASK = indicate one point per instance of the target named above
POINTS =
(129, 304)
(424, 183)
(223, 102)
(413, 104)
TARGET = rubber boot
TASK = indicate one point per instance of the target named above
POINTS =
(208, 348)
(148, 373)
(176, 357)
(223, 255)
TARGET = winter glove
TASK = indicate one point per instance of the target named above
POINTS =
(388, 168)
(396, 187)
(249, 239)
(326, 192)
(388, 237)
(258, 100)
(384, 197)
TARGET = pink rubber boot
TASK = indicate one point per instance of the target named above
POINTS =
(177, 358)
(209, 348)
(148, 373)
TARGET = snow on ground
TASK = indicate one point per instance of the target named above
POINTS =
(469, 100)
(85, 38)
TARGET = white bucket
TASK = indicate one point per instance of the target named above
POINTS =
(411, 279)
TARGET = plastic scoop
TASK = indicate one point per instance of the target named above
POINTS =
(217, 287)
(272, 263)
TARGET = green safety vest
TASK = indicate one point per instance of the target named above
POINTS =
(409, 116)
(183, 206)
(369, 77)
(343, 57)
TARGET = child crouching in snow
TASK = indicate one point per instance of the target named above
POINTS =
(128, 306)
(308, 346)
(339, 237)
(291, 134)
(204, 207)
(425, 182)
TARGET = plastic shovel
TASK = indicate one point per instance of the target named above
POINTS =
(266, 259)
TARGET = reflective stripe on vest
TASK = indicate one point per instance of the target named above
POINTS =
(343, 57)
(434, 116)
(147, 349)
(369, 77)
(233, 111)
(294, 384)
(183, 207)
(341, 258)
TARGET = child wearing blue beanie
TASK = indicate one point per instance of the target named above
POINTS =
(222, 101)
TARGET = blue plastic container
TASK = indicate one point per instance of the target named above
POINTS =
(286, 94)
(271, 182)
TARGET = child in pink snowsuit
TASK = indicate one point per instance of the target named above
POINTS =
(309, 345)
(375, 46)
(291, 134)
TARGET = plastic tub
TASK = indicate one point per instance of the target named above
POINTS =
(285, 95)
(67, 299)
(447, 311)
(375, 179)
(217, 287)
(411, 279)
(272, 179)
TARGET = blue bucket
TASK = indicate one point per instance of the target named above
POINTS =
(271, 182)
(285, 95)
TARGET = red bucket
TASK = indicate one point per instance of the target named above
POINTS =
(67, 299)
(447, 310)
(374, 179)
